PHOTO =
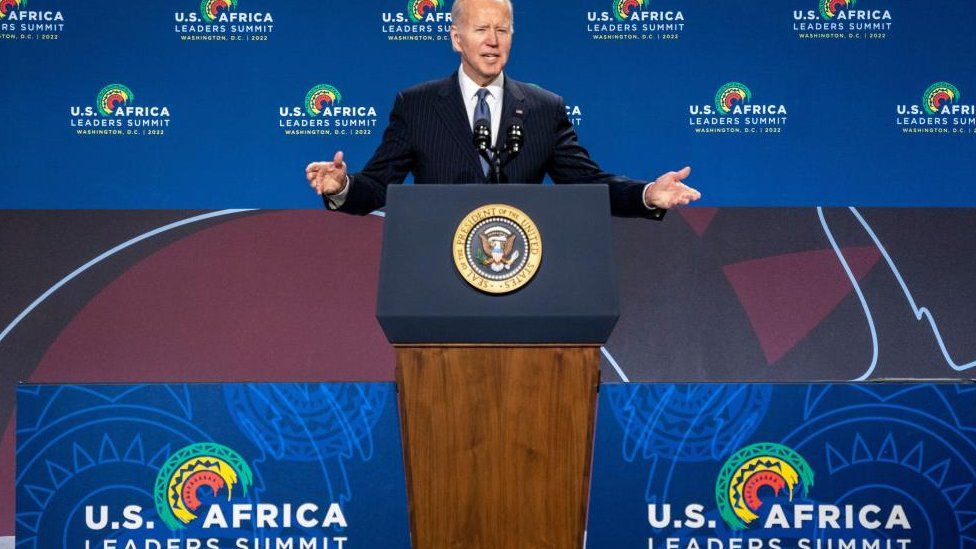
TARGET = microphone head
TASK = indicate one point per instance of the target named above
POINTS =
(515, 135)
(482, 134)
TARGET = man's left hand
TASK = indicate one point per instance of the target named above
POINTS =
(669, 190)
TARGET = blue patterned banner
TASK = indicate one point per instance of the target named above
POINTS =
(247, 466)
(726, 466)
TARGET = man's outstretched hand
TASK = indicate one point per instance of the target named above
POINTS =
(669, 190)
(327, 177)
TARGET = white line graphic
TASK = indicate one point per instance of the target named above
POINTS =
(919, 312)
(107, 254)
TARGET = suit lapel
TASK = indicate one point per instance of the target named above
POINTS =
(454, 115)
(513, 100)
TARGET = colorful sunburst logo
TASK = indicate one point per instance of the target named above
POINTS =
(419, 8)
(210, 9)
(207, 464)
(623, 8)
(7, 5)
(112, 97)
(319, 97)
(938, 95)
(762, 465)
(730, 94)
(829, 8)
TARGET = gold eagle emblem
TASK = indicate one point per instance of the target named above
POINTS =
(497, 248)
(499, 252)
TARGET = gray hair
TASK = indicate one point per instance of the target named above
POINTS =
(457, 11)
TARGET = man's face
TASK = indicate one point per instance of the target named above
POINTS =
(483, 37)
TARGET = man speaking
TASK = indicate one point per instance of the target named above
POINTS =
(431, 131)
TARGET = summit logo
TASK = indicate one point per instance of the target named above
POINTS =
(204, 493)
(223, 21)
(841, 20)
(207, 465)
(762, 492)
(633, 20)
(421, 20)
(17, 22)
(116, 112)
(753, 469)
(941, 111)
(326, 112)
(733, 110)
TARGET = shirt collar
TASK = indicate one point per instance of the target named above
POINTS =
(469, 88)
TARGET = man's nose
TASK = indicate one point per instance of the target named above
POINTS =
(492, 38)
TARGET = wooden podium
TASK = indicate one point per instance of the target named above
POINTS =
(497, 392)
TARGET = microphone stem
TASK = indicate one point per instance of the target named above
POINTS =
(496, 166)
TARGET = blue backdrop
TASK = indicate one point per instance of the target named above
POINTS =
(829, 108)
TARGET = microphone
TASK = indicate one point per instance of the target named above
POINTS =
(482, 142)
(515, 136)
(482, 135)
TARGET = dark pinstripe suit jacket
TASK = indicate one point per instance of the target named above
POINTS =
(429, 135)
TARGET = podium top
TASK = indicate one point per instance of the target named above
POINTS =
(423, 297)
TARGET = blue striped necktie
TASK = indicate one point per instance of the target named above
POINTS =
(482, 111)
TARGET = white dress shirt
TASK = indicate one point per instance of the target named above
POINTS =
(496, 91)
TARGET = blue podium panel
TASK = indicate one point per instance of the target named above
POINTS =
(423, 297)
(207, 465)
(760, 466)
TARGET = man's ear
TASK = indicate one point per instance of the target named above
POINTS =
(455, 39)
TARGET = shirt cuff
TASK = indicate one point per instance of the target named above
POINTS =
(335, 201)
(655, 212)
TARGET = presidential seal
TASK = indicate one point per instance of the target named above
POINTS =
(497, 248)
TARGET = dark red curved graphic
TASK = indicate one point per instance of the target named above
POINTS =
(271, 297)
(698, 218)
(787, 296)
(279, 296)
(290, 296)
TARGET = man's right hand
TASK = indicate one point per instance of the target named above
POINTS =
(327, 177)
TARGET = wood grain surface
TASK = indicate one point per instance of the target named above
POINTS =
(497, 443)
